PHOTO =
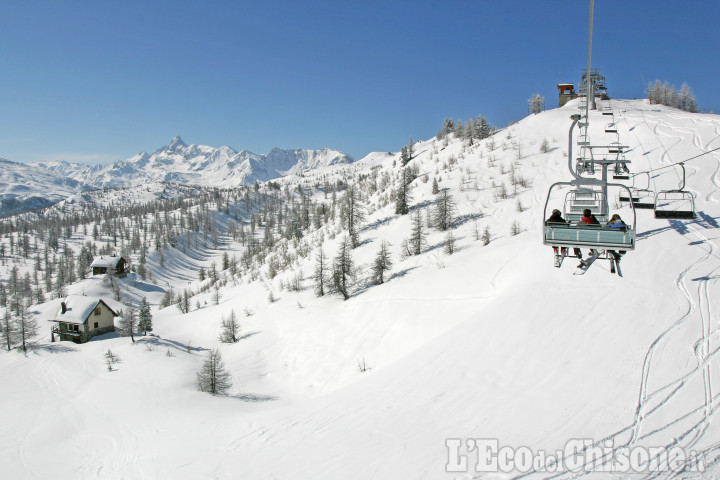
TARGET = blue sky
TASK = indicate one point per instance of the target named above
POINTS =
(96, 81)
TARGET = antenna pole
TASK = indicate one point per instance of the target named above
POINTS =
(588, 91)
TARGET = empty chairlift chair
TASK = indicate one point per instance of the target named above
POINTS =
(641, 198)
(677, 203)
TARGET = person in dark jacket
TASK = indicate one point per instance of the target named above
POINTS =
(556, 217)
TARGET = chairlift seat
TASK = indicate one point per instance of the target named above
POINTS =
(593, 236)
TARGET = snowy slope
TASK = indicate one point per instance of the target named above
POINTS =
(490, 342)
(24, 187)
(199, 165)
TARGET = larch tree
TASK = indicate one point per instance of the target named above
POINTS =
(128, 323)
(144, 317)
(402, 194)
(212, 377)
(536, 103)
(444, 215)
(342, 271)
(321, 271)
(381, 264)
(230, 328)
(418, 237)
(353, 214)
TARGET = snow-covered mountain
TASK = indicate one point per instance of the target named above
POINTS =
(199, 165)
(25, 187)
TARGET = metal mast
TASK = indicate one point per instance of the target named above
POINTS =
(588, 91)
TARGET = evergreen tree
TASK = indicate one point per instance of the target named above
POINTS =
(144, 317)
(381, 264)
(212, 377)
(404, 156)
(402, 194)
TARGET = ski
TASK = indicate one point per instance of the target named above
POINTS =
(617, 268)
(585, 264)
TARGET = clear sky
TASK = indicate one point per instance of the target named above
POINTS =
(98, 81)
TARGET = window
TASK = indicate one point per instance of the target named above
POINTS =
(96, 325)
(97, 311)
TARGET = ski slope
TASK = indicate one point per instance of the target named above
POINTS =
(490, 342)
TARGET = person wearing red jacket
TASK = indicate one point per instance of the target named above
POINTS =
(588, 219)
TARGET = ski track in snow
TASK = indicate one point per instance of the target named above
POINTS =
(700, 308)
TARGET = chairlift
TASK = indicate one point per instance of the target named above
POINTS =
(576, 234)
(615, 147)
(641, 198)
(677, 203)
(611, 128)
(583, 140)
(621, 172)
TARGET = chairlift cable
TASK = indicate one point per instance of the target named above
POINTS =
(676, 163)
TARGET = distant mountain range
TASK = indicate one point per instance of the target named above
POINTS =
(25, 187)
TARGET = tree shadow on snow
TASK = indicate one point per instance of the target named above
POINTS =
(254, 397)
(52, 348)
(248, 335)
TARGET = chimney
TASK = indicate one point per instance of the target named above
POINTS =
(63, 306)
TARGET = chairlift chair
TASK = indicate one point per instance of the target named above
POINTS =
(677, 203)
(641, 198)
(621, 172)
(575, 234)
(611, 128)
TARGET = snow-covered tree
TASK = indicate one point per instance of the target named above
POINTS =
(536, 103)
(127, 327)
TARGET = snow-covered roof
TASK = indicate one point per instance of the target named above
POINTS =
(77, 309)
(105, 261)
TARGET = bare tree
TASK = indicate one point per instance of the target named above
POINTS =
(381, 264)
(230, 328)
(321, 271)
(212, 377)
(443, 218)
(352, 214)
(418, 236)
(342, 271)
